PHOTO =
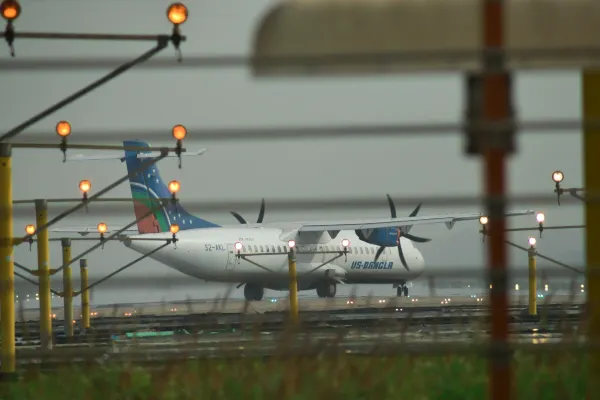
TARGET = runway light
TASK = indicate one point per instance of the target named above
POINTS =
(483, 220)
(174, 187)
(558, 176)
(102, 228)
(532, 241)
(30, 229)
(345, 243)
(177, 13)
(291, 244)
(179, 132)
(238, 246)
(517, 286)
(540, 217)
(85, 186)
(11, 9)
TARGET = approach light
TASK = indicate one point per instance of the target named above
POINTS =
(30, 229)
(558, 176)
(483, 220)
(532, 241)
(238, 246)
(345, 243)
(179, 132)
(63, 129)
(102, 228)
(85, 186)
(291, 244)
(10, 9)
(174, 187)
(174, 228)
(177, 13)
(540, 217)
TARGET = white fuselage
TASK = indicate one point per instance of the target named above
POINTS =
(210, 254)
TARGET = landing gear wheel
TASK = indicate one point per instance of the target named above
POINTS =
(402, 290)
(253, 292)
(327, 289)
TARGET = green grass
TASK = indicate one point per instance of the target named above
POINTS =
(345, 377)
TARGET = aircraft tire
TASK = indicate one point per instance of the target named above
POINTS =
(330, 289)
(253, 292)
(326, 289)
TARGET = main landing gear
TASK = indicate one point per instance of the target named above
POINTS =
(402, 290)
(326, 289)
(253, 292)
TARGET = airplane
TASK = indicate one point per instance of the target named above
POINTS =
(254, 255)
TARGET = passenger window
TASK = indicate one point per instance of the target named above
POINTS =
(273, 249)
(361, 250)
(262, 250)
(249, 249)
(372, 250)
(267, 247)
(255, 249)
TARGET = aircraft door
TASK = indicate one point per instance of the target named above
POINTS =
(231, 259)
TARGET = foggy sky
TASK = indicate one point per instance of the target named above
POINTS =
(212, 98)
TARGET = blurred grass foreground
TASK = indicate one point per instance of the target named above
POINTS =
(343, 376)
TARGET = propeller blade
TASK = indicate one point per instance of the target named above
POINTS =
(416, 210)
(401, 254)
(261, 214)
(238, 217)
(379, 251)
(414, 238)
(392, 206)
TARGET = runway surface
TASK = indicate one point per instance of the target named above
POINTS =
(154, 322)
(307, 304)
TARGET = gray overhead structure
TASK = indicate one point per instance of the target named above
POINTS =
(337, 37)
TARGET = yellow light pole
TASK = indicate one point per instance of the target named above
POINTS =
(293, 282)
(532, 277)
(43, 273)
(85, 295)
(7, 267)
(67, 287)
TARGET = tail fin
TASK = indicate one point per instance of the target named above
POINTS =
(147, 186)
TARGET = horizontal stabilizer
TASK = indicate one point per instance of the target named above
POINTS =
(154, 153)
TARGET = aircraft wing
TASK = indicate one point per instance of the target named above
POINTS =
(85, 230)
(290, 231)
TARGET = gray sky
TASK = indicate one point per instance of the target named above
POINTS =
(205, 98)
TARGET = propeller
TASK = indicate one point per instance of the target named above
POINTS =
(402, 233)
(261, 214)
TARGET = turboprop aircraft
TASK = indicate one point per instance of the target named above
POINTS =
(364, 251)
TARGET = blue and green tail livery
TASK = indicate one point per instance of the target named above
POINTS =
(147, 187)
